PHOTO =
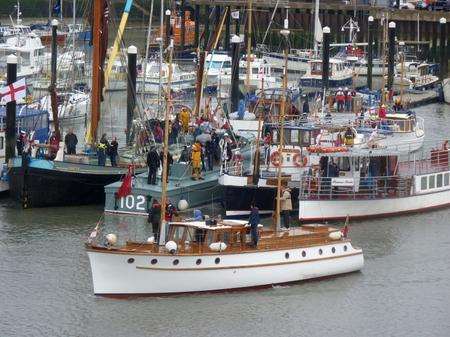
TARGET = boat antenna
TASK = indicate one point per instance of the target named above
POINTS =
(147, 47)
(162, 236)
(285, 33)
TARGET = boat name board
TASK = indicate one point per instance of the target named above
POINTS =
(343, 182)
(131, 202)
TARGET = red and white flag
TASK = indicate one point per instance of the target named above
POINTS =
(14, 91)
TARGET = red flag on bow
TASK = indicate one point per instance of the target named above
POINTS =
(125, 188)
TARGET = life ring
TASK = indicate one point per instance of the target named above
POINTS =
(299, 160)
(276, 159)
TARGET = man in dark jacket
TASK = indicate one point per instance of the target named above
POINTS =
(209, 154)
(71, 142)
(153, 164)
(113, 151)
(254, 222)
(169, 162)
(154, 218)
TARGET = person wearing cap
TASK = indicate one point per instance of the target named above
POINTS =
(286, 207)
(348, 101)
(340, 99)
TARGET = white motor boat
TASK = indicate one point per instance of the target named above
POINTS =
(71, 105)
(29, 51)
(260, 77)
(340, 74)
(210, 256)
(416, 76)
(182, 81)
(215, 65)
(376, 182)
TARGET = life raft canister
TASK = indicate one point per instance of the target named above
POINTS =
(276, 159)
(299, 160)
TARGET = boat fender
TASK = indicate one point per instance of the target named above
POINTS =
(183, 204)
(276, 159)
(151, 240)
(335, 235)
(300, 160)
(171, 246)
(218, 246)
(111, 239)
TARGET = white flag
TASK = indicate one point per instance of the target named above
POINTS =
(235, 15)
(318, 32)
(13, 92)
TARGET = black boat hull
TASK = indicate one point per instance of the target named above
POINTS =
(36, 187)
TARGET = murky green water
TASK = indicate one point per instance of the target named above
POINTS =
(403, 290)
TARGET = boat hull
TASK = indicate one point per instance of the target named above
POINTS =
(315, 210)
(116, 273)
(45, 187)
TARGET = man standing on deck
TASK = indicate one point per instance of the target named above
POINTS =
(154, 218)
(254, 222)
(153, 164)
(169, 163)
(71, 142)
(286, 207)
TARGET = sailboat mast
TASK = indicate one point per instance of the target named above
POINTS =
(97, 14)
(161, 41)
(147, 46)
(285, 32)
(383, 58)
(249, 45)
(166, 145)
(316, 20)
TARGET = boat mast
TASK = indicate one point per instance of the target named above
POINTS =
(164, 172)
(384, 19)
(249, 45)
(97, 14)
(316, 21)
(74, 21)
(147, 46)
(161, 41)
(402, 70)
(285, 32)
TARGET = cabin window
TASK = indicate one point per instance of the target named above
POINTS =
(226, 64)
(446, 179)
(320, 251)
(175, 262)
(439, 180)
(432, 181)
(305, 138)
(217, 260)
(423, 183)
(286, 255)
(294, 137)
(2, 143)
(154, 261)
(345, 248)
(130, 260)
(333, 250)
(303, 253)
(198, 262)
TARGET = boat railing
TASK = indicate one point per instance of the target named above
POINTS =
(339, 188)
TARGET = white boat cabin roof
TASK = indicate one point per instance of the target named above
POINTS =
(218, 57)
(223, 224)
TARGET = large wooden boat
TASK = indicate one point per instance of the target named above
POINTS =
(374, 183)
(216, 256)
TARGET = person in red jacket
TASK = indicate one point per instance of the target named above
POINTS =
(382, 111)
(53, 148)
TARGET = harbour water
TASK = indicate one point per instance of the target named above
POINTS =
(403, 290)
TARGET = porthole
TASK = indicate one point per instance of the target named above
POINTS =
(303, 253)
(320, 251)
(217, 260)
(130, 260)
(286, 255)
(333, 250)
(199, 261)
(154, 261)
(345, 248)
(175, 262)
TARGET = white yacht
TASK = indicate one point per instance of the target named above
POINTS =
(150, 82)
(29, 50)
(215, 65)
(416, 75)
(340, 75)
